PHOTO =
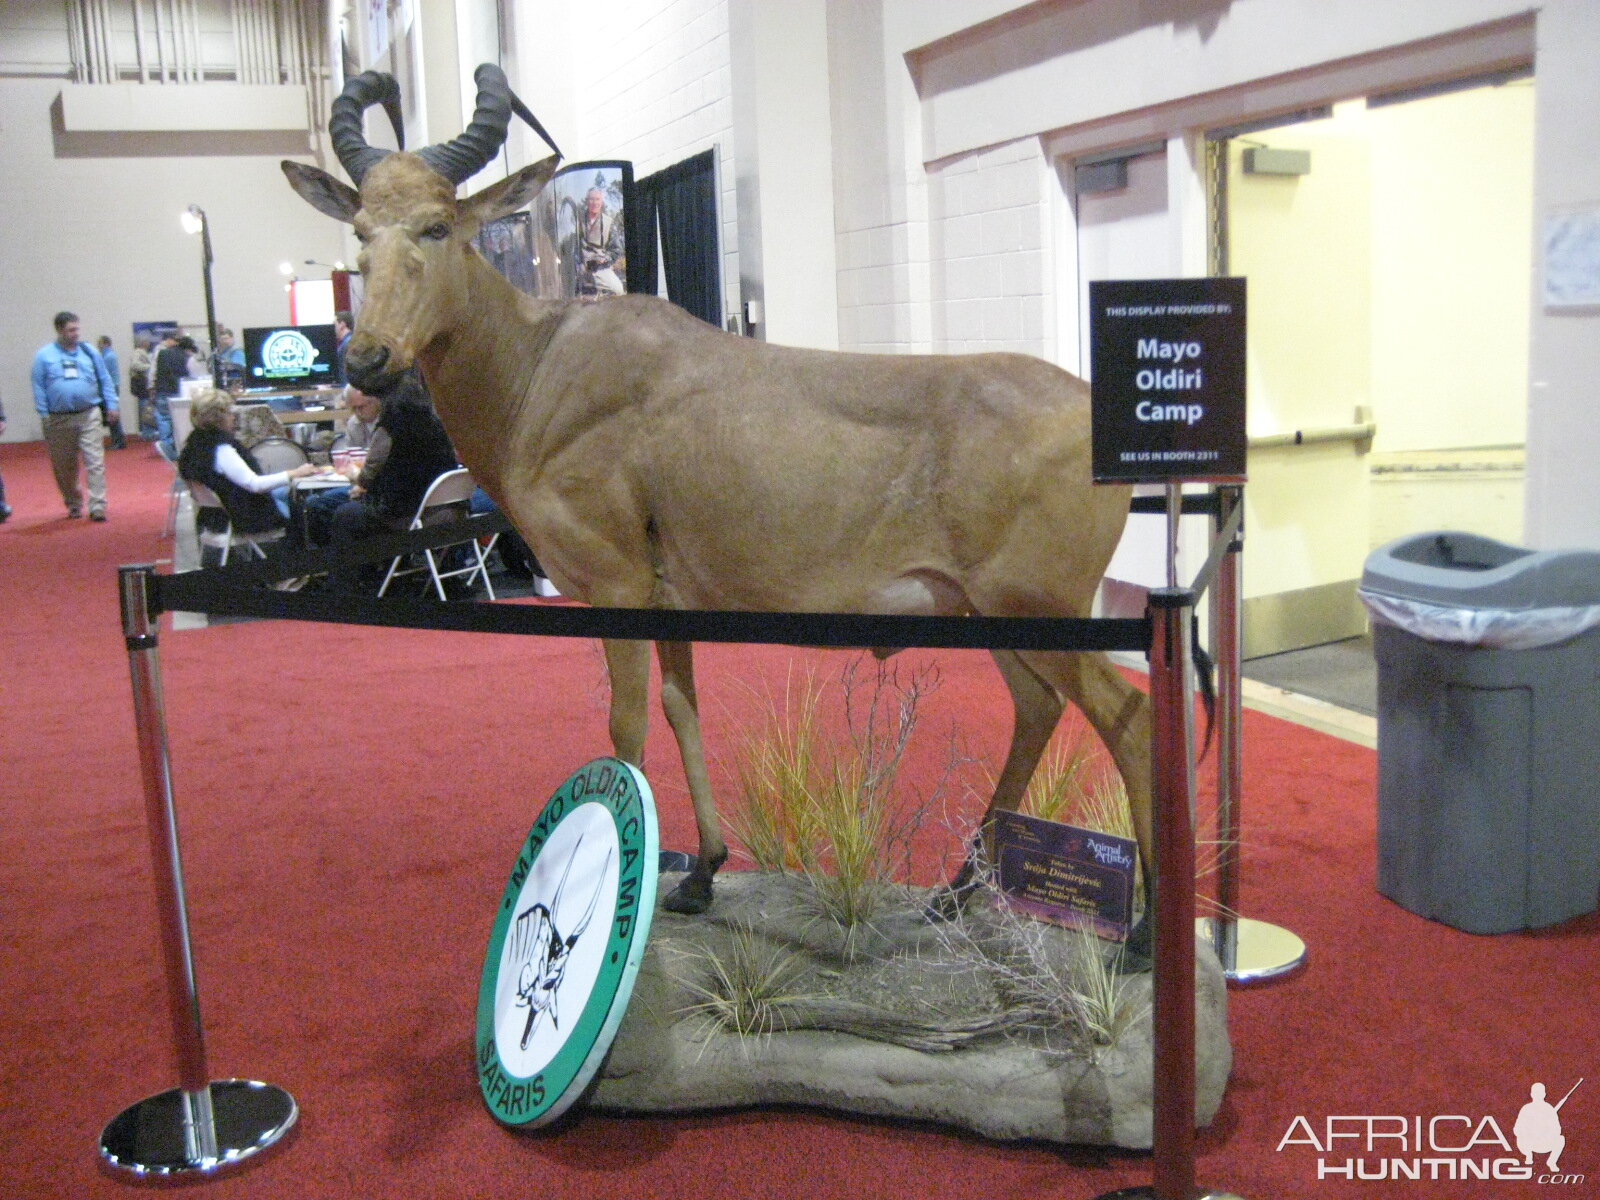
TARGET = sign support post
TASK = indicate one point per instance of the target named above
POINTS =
(1168, 405)
(1250, 951)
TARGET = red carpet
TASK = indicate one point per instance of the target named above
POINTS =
(351, 799)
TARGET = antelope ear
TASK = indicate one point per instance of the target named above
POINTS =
(323, 192)
(511, 193)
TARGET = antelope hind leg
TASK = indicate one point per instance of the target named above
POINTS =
(1119, 714)
(1037, 708)
(678, 700)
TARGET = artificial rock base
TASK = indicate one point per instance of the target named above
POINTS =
(1029, 1082)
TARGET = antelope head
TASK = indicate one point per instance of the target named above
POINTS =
(415, 235)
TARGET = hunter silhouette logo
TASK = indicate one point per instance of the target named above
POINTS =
(540, 954)
(1538, 1127)
(568, 937)
(1445, 1146)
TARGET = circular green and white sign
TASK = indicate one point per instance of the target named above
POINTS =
(567, 943)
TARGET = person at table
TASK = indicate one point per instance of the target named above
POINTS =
(227, 361)
(385, 498)
(344, 325)
(362, 432)
(257, 502)
(362, 424)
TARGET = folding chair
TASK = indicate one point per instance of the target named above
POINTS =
(449, 491)
(227, 539)
(174, 493)
(278, 454)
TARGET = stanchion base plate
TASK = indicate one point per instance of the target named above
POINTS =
(1149, 1193)
(145, 1141)
(1261, 951)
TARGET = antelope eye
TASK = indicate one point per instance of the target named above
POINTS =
(436, 232)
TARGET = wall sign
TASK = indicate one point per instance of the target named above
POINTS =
(567, 943)
(1168, 360)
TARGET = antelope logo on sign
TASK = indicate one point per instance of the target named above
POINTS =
(540, 953)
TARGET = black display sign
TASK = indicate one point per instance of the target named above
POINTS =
(1168, 359)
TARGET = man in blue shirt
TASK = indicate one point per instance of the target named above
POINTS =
(227, 363)
(119, 440)
(344, 324)
(69, 385)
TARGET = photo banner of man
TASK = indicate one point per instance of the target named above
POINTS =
(572, 241)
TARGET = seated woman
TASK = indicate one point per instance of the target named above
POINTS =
(213, 456)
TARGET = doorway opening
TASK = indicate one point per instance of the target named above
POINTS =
(1388, 246)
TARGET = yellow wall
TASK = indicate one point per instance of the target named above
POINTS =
(1397, 276)
(1452, 220)
(1305, 245)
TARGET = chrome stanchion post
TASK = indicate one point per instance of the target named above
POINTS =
(1249, 951)
(1225, 627)
(200, 1127)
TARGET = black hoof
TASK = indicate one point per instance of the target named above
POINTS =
(946, 904)
(1138, 952)
(689, 897)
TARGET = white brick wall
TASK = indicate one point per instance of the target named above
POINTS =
(989, 251)
(659, 90)
(884, 286)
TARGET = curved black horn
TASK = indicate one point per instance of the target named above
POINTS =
(465, 156)
(344, 124)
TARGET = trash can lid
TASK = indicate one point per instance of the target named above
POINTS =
(1466, 570)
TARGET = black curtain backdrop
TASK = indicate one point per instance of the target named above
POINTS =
(680, 200)
(641, 236)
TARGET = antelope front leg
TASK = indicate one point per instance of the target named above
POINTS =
(678, 700)
(628, 664)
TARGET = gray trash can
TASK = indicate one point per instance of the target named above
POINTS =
(1488, 730)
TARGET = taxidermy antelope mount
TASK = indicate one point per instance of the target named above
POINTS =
(653, 461)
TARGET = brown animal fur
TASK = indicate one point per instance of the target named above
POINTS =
(651, 460)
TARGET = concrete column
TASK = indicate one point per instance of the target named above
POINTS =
(783, 159)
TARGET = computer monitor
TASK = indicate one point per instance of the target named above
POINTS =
(290, 356)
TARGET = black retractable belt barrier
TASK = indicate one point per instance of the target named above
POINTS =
(180, 1133)
(244, 590)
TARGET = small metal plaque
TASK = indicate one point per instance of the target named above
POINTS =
(1080, 878)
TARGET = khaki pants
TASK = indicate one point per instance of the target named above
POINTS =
(72, 436)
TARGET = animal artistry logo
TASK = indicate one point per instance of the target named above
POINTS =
(1394, 1147)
